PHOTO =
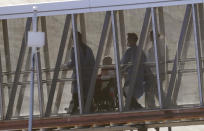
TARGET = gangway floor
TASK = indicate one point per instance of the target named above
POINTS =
(149, 119)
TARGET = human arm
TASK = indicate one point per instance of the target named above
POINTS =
(124, 61)
(71, 63)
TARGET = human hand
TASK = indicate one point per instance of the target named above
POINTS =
(64, 66)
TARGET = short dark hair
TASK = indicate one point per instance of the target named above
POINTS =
(132, 36)
(79, 35)
(151, 35)
(107, 60)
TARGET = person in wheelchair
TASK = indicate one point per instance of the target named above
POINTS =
(105, 98)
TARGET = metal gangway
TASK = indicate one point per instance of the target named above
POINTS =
(174, 55)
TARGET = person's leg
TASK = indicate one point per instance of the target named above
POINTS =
(149, 96)
(75, 102)
(73, 106)
(135, 105)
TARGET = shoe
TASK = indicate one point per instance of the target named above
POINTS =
(72, 109)
(135, 105)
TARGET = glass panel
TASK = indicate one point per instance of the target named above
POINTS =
(133, 26)
(55, 27)
(105, 95)
(185, 83)
(105, 99)
(15, 35)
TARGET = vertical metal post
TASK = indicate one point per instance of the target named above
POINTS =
(2, 102)
(117, 59)
(154, 28)
(34, 23)
(98, 58)
(197, 49)
(77, 63)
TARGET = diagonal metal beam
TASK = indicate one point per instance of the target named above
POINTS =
(165, 56)
(122, 30)
(23, 87)
(97, 62)
(161, 24)
(184, 29)
(40, 86)
(83, 27)
(136, 61)
(182, 63)
(7, 51)
(2, 99)
(109, 41)
(197, 50)
(17, 73)
(77, 65)
(57, 65)
(117, 59)
(63, 75)
(161, 27)
(46, 52)
(122, 35)
(201, 24)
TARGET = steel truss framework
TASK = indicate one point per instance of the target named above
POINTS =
(153, 20)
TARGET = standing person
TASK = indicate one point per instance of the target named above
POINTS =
(87, 62)
(162, 51)
(127, 62)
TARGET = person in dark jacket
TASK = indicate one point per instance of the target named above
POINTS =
(87, 62)
(127, 68)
